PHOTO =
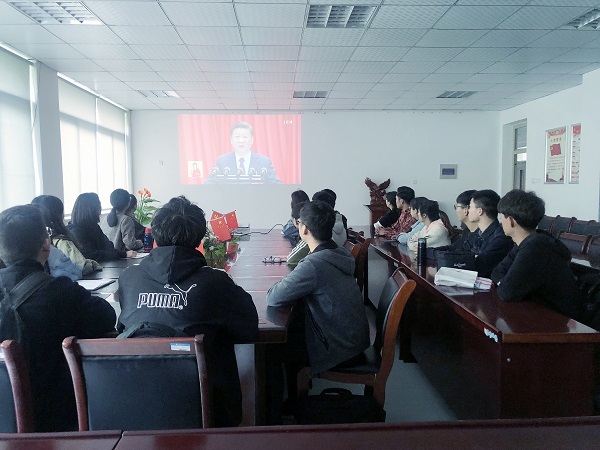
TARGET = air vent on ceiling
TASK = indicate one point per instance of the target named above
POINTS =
(161, 94)
(590, 19)
(66, 13)
(310, 94)
(456, 94)
(339, 16)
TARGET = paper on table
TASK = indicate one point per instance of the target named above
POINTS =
(92, 285)
(140, 255)
(448, 276)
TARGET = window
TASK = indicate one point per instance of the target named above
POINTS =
(94, 144)
(19, 182)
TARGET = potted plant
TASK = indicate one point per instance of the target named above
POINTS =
(145, 210)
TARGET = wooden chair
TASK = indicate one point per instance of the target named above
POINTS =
(593, 250)
(561, 224)
(592, 228)
(378, 359)
(15, 391)
(546, 224)
(139, 383)
(576, 243)
(579, 226)
(353, 248)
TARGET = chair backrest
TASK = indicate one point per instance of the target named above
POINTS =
(353, 236)
(393, 299)
(578, 226)
(546, 223)
(16, 407)
(139, 383)
(592, 228)
(576, 243)
(361, 271)
(593, 250)
(561, 224)
(354, 248)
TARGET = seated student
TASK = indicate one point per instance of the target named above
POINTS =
(290, 230)
(118, 225)
(390, 217)
(84, 227)
(538, 267)
(301, 249)
(404, 196)
(339, 229)
(415, 227)
(490, 244)
(334, 195)
(61, 236)
(461, 207)
(58, 309)
(434, 230)
(200, 300)
(323, 286)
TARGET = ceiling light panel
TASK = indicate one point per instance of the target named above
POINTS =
(540, 17)
(66, 13)
(339, 16)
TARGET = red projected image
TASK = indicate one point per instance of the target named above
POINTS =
(239, 149)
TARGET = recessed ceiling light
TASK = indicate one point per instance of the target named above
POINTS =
(590, 18)
(339, 16)
(310, 94)
(456, 94)
(162, 94)
(66, 13)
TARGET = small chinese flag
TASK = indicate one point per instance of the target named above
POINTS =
(215, 215)
(231, 220)
(555, 150)
(219, 227)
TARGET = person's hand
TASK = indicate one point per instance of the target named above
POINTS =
(131, 253)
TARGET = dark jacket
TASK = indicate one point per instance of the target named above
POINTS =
(94, 244)
(196, 299)
(538, 270)
(389, 218)
(56, 311)
(258, 164)
(491, 247)
(336, 327)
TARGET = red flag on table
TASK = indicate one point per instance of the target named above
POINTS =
(231, 220)
(215, 215)
(219, 227)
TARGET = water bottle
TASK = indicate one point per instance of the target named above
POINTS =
(148, 240)
(422, 252)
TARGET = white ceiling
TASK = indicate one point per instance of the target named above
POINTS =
(252, 54)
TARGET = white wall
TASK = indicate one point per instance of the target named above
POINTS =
(575, 105)
(339, 150)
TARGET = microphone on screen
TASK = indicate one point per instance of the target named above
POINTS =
(239, 172)
(252, 171)
(226, 171)
(215, 171)
(263, 171)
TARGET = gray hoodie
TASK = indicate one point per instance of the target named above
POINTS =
(336, 325)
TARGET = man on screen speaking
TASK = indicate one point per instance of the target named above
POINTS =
(242, 161)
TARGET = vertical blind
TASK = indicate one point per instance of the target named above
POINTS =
(17, 161)
(94, 145)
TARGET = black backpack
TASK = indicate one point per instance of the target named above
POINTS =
(11, 323)
(589, 292)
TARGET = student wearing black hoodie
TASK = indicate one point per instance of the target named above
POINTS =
(538, 267)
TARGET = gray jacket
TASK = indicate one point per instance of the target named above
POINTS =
(336, 325)
(122, 235)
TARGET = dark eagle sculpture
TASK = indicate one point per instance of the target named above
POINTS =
(377, 191)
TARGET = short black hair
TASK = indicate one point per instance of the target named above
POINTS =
(299, 196)
(86, 210)
(179, 222)
(430, 208)
(487, 200)
(416, 202)
(56, 209)
(526, 208)
(405, 193)
(243, 125)
(319, 218)
(333, 194)
(296, 209)
(464, 198)
(324, 196)
(391, 197)
(22, 233)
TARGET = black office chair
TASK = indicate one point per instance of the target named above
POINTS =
(139, 383)
(16, 407)
(376, 365)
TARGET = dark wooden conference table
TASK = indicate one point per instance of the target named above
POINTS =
(490, 359)
(250, 272)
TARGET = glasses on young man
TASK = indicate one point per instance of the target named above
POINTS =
(49, 231)
(458, 205)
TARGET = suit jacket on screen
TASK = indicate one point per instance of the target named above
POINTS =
(257, 162)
